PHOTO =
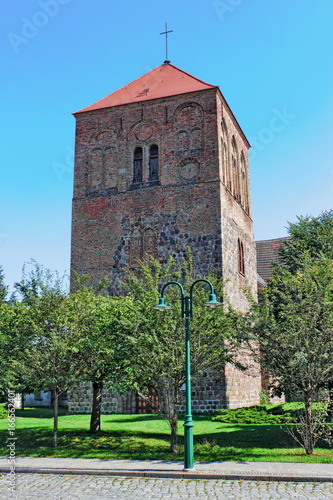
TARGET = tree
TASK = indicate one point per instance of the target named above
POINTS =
(106, 324)
(3, 286)
(10, 340)
(160, 340)
(36, 280)
(48, 358)
(4, 320)
(9, 344)
(295, 331)
(311, 238)
(50, 361)
(294, 321)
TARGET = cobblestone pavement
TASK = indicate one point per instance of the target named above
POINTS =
(88, 487)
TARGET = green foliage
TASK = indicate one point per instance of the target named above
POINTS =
(295, 329)
(264, 397)
(12, 339)
(45, 336)
(294, 323)
(106, 324)
(311, 427)
(160, 336)
(49, 359)
(311, 238)
(3, 287)
(3, 411)
(256, 415)
(37, 281)
(159, 342)
(295, 333)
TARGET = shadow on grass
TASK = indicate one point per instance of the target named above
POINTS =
(153, 416)
(220, 446)
(125, 445)
(222, 442)
(39, 412)
(104, 444)
(134, 418)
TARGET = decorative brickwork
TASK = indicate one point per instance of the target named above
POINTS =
(198, 196)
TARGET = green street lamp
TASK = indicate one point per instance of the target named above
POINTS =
(187, 313)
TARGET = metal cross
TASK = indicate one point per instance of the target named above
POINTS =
(166, 42)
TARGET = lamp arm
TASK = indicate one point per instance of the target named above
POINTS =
(191, 291)
(182, 293)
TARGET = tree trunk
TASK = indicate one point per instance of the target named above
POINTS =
(168, 392)
(173, 421)
(308, 437)
(22, 401)
(95, 419)
(55, 417)
(330, 402)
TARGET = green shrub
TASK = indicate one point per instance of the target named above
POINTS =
(256, 415)
(3, 411)
(264, 397)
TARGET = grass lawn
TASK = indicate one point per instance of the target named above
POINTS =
(146, 437)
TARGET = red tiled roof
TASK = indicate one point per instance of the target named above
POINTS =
(164, 81)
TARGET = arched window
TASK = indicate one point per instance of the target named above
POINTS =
(244, 188)
(235, 167)
(241, 262)
(137, 165)
(224, 151)
(153, 162)
(242, 180)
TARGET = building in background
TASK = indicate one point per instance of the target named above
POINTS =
(161, 165)
(267, 253)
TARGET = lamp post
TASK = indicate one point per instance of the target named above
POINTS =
(187, 313)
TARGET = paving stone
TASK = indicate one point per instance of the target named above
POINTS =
(88, 487)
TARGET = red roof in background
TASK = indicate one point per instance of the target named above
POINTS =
(164, 81)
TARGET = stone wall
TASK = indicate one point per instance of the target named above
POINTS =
(80, 401)
(228, 388)
(208, 395)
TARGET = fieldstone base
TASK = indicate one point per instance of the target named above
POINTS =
(80, 401)
(230, 388)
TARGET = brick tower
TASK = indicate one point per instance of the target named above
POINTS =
(160, 165)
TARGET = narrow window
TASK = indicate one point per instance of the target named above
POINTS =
(137, 165)
(224, 150)
(241, 263)
(244, 189)
(153, 163)
(236, 180)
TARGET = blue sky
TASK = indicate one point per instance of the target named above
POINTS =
(271, 59)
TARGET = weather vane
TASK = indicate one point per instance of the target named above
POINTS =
(166, 42)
